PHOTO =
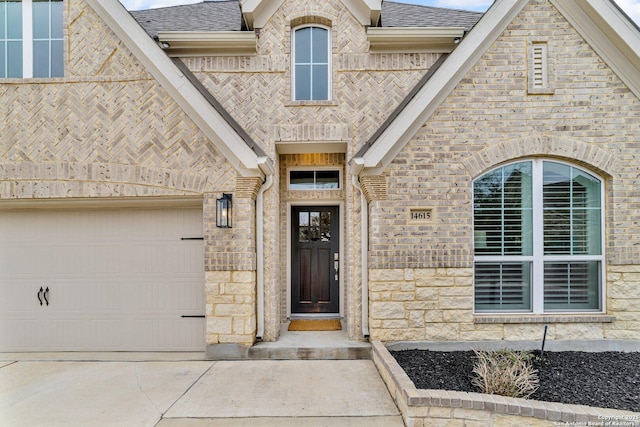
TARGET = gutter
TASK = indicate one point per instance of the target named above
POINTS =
(357, 166)
(267, 168)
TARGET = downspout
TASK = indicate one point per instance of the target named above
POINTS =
(357, 166)
(267, 168)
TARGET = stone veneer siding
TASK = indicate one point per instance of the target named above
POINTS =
(436, 304)
(421, 274)
(231, 302)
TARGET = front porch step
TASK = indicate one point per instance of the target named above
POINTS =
(325, 345)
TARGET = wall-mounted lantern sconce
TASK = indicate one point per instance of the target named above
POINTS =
(224, 211)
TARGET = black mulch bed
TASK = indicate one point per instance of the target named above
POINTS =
(606, 380)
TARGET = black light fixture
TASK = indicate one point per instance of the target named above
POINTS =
(224, 211)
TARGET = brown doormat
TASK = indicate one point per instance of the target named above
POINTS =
(315, 325)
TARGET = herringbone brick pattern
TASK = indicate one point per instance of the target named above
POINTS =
(93, 49)
(107, 113)
(366, 87)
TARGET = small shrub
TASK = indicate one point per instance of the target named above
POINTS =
(505, 372)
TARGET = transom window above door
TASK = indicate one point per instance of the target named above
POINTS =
(538, 239)
(328, 179)
(31, 47)
(310, 71)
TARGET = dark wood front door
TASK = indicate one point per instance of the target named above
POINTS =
(315, 259)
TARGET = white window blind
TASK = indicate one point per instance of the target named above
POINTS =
(538, 238)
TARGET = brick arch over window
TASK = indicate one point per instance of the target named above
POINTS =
(315, 19)
(581, 153)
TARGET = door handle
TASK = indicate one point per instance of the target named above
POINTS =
(46, 295)
(40, 292)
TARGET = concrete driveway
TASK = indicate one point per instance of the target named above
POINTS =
(195, 393)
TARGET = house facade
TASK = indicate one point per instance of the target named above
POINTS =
(422, 174)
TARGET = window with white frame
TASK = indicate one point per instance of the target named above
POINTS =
(311, 47)
(538, 239)
(31, 38)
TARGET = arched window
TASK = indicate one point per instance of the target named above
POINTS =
(311, 63)
(538, 239)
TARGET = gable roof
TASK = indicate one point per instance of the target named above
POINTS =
(239, 151)
(609, 32)
(226, 16)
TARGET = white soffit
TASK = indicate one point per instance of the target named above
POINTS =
(367, 12)
(256, 13)
(161, 67)
(444, 80)
(202, 43)
(609, 33)
(411, 39)
(305, 147)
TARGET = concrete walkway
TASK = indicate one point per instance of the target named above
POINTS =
(195, 393)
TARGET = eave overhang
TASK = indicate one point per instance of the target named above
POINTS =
(218, 130)
(610, 33)
(367, 12)
(201, 43)
(411, 39)
(256, 13)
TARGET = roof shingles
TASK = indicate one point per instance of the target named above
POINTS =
(226, 16)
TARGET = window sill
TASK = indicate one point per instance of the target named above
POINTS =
(544, 318)
(330, 103)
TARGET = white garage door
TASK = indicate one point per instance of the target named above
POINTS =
(101, 280)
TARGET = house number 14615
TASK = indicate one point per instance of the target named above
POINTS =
(420, 214)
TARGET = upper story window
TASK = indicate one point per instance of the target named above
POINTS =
(31, 40)
(311, 63)
(538, 239)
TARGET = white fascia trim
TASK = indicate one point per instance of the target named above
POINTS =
(256, 13)
(161, 67)
(197, 43)
(444, 80)
(413, 39)
(367, 12)
(609, 33)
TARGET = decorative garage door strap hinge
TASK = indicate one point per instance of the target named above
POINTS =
(43, 293)
(192, 238)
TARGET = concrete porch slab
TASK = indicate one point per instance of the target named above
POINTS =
(316, 345)
(294, 345)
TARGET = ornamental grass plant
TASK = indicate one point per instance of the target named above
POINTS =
(505, 372)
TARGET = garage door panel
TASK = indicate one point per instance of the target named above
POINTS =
(22, 333)
(117, 279)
